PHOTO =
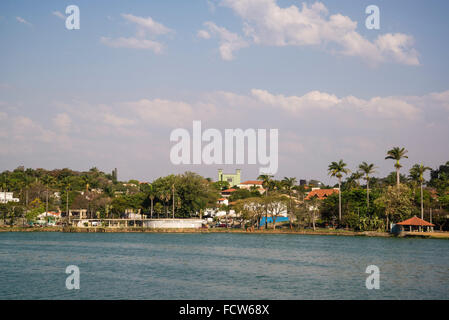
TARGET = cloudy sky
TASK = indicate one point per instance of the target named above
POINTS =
(108, 95)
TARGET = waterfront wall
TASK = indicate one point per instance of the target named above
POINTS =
(174, 223)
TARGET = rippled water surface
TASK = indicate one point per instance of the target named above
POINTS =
(220, 266)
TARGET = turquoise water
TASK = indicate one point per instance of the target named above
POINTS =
(220, 266)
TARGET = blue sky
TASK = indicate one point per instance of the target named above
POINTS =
(70, 99)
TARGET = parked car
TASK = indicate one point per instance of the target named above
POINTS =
(220, 225)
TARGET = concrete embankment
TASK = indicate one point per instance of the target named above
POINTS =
(331, 232)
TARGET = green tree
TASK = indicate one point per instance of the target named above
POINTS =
(417, 174)
(288, 185)
(151, 195)
(397, 154)
(397, 204)
(367, 170)
(267, 184)
(47, 181)
(337, 169)
(275, 204)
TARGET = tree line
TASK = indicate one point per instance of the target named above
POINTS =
(365, 202)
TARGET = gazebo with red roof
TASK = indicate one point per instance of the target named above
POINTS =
(416, 222)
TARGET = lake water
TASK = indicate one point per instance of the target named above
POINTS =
(220, 266)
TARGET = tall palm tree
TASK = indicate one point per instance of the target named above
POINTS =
(47, 180)
(152, 195)
(266, 183)
(418, 171)
(27, 181)
(163, 198)
(289, 184)
(66, 184)
(337, 169)
(367, 169)
(397, 154)
(167, 199)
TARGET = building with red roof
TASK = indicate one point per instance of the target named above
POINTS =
(226, 193)
(321, 193)
(252, 184)
(416, 222)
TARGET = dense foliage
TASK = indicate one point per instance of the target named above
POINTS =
(101, 194)
(365, 202)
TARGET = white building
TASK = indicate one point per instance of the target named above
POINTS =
(7, 197)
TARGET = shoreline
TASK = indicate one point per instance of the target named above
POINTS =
(423, 235)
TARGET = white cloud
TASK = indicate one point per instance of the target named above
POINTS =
(22, 20)
(266, 23)
(117, 121)
(399, 47)
(385, 107)
(314, 128)
(441, 98)
(133, 43)
(313, 99)
(159, 112)
(229, 41)
(59, 15)
(146, 27)
(63, 122)
(153, 27)
(203, 34)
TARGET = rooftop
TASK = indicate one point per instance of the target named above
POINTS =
(415, 221)
(321, 193)
(252, 182)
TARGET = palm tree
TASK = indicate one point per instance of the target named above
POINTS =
(367, 169)
(47, 180)
(167, 199)
(266, 183)
(66, 183)
(289, 184)
(417, 172)
(162, 197)
(27, 182)
(397, 154)
(152, 195)
(337, 169)
(353, 180)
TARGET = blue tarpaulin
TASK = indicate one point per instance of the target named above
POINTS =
(270, 220)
